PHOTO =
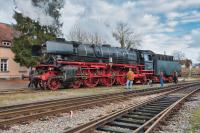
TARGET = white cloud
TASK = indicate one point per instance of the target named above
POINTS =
(172, 23)
(6, 11)
(195, 38)
(188, 44)
(194, 16)
(36, 13)
(143, 16)
(173, 15)
(69, 15)
(186, 17)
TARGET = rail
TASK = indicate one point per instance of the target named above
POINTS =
(143, 117)
(26, 112)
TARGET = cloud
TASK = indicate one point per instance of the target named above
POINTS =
(6, 11)
(160, 23)
(38, 14)
(160, 43)
(70, 14)
(194, 38)
(96, 17)
(194, 16)
(186, 17)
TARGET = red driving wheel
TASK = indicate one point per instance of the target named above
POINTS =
(108, 78)
(90, 78)
(121, 78)
(54, 84)
(78, 81)
(76, 84)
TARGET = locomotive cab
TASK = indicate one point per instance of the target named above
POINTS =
(146, 58)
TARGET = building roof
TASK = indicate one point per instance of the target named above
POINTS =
(6, 32)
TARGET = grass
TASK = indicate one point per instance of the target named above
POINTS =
(10, 99)
(195, 122)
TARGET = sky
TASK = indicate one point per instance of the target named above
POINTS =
(162, 25)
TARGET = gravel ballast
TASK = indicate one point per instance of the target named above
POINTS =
(180, 121)
(57, 124)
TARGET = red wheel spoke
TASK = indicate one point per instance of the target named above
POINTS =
(54, 84)
(121, 78)
(91, 80)
(77, 82)
(109, 78)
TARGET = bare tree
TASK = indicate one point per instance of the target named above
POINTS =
(126, 36)
(94, 38)
(77, 34)
(181, 58)
(178, 55)
(80, 35)
(188, 63)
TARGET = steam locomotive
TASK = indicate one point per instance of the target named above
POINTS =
(73, 64)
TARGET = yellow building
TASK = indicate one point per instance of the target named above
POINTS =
(9, 69)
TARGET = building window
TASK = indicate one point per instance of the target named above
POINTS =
(4, 65)
(6, 43)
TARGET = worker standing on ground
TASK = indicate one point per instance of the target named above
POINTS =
(31, 83)
(130, 79)
(175, 77)
(161, 79)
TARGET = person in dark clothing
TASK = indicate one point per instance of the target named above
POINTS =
(175, 77)
(31, 78)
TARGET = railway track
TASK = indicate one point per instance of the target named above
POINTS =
(18, 91)
(26, 112)
(143, 117)
(25, 90)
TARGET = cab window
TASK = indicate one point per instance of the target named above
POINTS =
(147, 57)
(150, 57)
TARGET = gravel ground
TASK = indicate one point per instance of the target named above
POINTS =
(57, 124)
(180, 121)
(13, 84)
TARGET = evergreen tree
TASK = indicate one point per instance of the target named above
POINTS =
(33, 33)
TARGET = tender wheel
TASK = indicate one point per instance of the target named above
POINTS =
(54, 84)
